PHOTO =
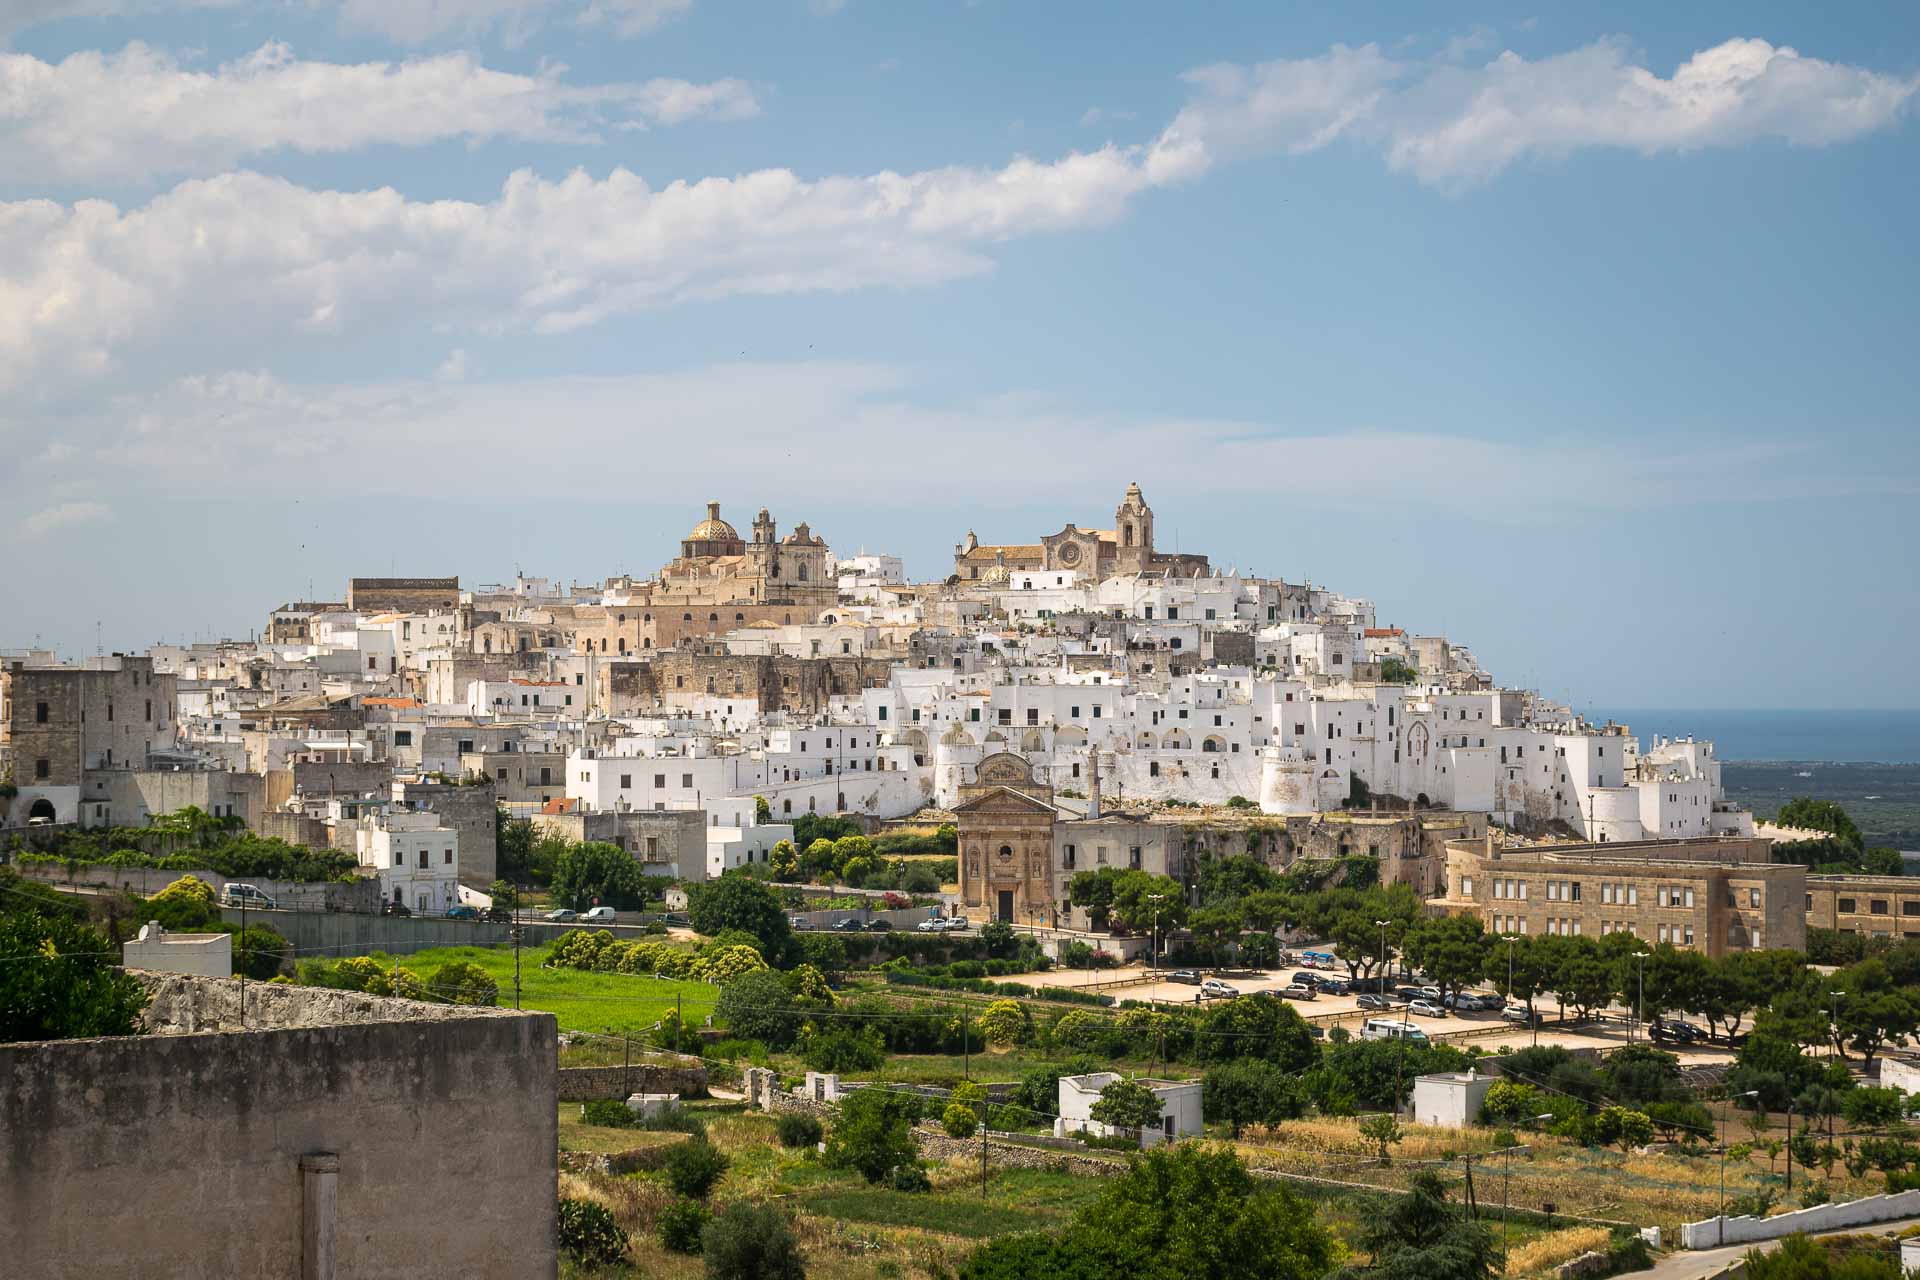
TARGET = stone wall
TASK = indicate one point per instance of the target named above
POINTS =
(1825, 1217)
(392, 1138)
(583, 1084)
(356, 895)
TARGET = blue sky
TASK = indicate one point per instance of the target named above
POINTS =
(1586, 340)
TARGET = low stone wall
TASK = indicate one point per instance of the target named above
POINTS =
(1821, 1217)
(326, 895)
(936, 1145)
(583, 1084)
(183, 1004)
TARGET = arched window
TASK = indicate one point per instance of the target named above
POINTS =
(709, 684)
(646, 617)
(1006, 851)
(646, 643)
(623, 644)
(623, 617)
(713, 617)
(739, 617)
(686, 617)
(803, 571)
(1126, 533)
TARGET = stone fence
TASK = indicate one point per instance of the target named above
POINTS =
(1821, 1217)
(584, 1084)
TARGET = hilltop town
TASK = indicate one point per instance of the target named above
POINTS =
(706, 857)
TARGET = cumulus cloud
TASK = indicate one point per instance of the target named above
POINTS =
(1451, 125)
(64, 515)
(139, 112)
(242, 255)
(405, 21)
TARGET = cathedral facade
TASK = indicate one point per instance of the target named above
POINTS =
(1096, 554)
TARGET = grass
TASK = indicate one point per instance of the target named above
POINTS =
(1543, 1253)
(581, 1001)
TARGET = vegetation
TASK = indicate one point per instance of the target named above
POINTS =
(693, 1167)
(739, 902)
(58, 980)
(751, 1242)
(874, 1133)
(1397, 671)
(191, 839)
(796, 1130)
(681, 1223)
(589, 1234)
(464, 982)
(593, 873)
(1422, 1237)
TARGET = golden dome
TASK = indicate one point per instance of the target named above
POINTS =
(713, 528)
(996, 574)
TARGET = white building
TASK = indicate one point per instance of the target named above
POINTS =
(1180, 1114)
(416, 860)
(1451, 1100)
(206, 955)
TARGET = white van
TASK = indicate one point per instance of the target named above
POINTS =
(236, 895)
(1391, 1029)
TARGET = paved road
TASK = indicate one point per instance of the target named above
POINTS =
(1693, 1265)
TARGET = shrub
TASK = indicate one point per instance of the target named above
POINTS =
(910, 1178)
(680, 1224)
(845, 1049)
(694, 1167)
(758, 1006)
(798, 1129)
(609, 1113)
(185, 905)
(751, 1242)
(463, 982)
(589, 1235)
(874, 1133)
(958, 1120)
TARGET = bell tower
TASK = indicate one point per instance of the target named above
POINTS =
(1133, 532)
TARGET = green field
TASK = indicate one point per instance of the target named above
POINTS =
(581, 1001)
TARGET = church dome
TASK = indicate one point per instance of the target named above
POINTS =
(713, 528)
(996, 574)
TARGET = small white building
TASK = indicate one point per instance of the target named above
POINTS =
(416, 860)
(205, 955)
(1900, 1073)
(1180, 1114)
(1451, 1100)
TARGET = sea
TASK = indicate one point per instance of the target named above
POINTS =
(1879, 737)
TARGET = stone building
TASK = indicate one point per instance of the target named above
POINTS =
(1872, 906)
(686, 680)
(1713, 895)
(59, 722)
(1097, 554)
(402, 595)
(665, 842)
(718, 582)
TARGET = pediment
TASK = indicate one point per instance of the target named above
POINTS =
(1004, 800)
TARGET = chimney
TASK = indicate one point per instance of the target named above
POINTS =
(1093, 784)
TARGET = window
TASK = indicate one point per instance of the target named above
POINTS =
(1033, 715)
(686, 780)
(1466, 886)
(1910, 908)
(1153, 769)
(423, 859)
(659, 779)
(883, 713)
(42, 768)
(449, 858)
(403, 737)
(626, 780)
(1846, 906)
(39, 713)
(1066, 857)
(1753, 897)
(1096, 711)
(1878, 906)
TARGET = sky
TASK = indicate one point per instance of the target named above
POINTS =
(1585, 339)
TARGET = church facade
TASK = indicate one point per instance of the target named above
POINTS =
(1095, 554)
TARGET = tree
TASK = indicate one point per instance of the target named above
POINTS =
(184, 906)
(738, 902)
(1005, 1022)
(1629, 1129)
(513, 841)
(1578, 971)
(748, 1241)
(463, 982)
(874, 1133)
(1259, 950)
(1092, 892)
(762, 811)
(1872, 1010)
(1144, 903)
(504, 893)
(58, 981)
(959, 1120)
(259, 951)
(783, 861)
(758, 1006)
(1126, 1105)
(1519, 967)
(1821, 815)
(1257, 1027)
(726, 964)
(1419, 1236)
(1248, 1091)
(694, 1167)
(1509, 1102)
(595, 871)
(997, 937)
(1451, 950)
(1191, 1211)
(1383, 1130)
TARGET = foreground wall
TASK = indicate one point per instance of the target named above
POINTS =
(383, 1144)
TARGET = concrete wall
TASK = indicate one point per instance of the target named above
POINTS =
(582, 1084)
(1823, 1217)
(356, 895)
(183, 1154)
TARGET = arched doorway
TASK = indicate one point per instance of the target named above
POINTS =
(42, 809)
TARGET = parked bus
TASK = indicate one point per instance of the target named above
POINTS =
(1318, 959)
(1391, 1029)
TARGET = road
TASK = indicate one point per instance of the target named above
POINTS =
(1698, 1263)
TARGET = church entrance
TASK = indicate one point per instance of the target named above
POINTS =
(1004, 909)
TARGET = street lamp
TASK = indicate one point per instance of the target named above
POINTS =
(1153, 940)
(1751, 1093)
(1640, 1005)
(1383, 954)
(1833, 1031)
(1790, 1105)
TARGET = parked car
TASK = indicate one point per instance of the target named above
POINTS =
(395, 909)
(598, 915)
(237, 895)
(1218, 990)
(1299, 991)
(1433, 993)
(1333, 986)
(1305, 978)
(1189, 976)
(958, 924)
(1425, 1009)
(879, 926)
(796, 922)
(561, 915)
(499, 915)
(461, 911)
(675, 918)
(1372, 1001)
(1410, 993)
(934, 924)
(1677, 1031)
(848, 925)
(1285, 957)
(1518, 1013)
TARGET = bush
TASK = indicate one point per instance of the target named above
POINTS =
(910, 1178)
(844, 1049)
(463, 982)
(874, 1133)
(609, 1113)
(694, 1167)
(959, 1121)
(589, 1235)
(681, 1223)
(751, 1242)
(797, 1129)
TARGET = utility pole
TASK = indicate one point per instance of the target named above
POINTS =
(1751, 1093)
(243, 962)
(966, 1045)
(983, 1149)
(514, 930)
(1640, 1004)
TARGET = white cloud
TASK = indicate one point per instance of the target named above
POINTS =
(1450, 125)
(248, 257)
(454, 367)
(405, 21)
(838, 430)
(139, 112)
(63, 516)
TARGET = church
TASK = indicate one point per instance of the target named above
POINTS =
(1095, 554)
